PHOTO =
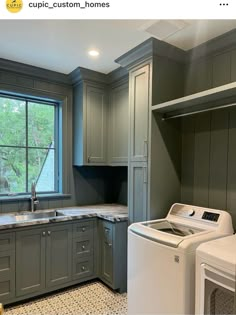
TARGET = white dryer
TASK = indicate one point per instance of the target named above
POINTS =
(161, 258)
(215, 276)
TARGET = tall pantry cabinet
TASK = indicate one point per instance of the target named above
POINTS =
(153, 66)
(139, 103)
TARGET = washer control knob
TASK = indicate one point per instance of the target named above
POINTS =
(191, 212)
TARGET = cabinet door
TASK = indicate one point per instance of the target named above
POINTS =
(137, 191)
(30, 261)
(58, 255)
(106, 251)
(118, 125)
(7, 275)
(96, 125)
(139, 112)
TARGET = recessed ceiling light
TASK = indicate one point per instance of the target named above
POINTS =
(93, 53)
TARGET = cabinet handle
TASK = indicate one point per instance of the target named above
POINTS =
(145, 174)
(44, 233)
(106, 230)
(83, 247)
(109, 244)
(145, 148)
(88, 159)
(49, 232)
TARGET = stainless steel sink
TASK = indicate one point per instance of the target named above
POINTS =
(37, 215)
(8, 219)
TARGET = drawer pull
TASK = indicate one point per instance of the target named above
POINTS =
(106, 230)
(110, 245)
(49, 232)
(83, 247)
(83, 229)
(83, 268)
(44, 233)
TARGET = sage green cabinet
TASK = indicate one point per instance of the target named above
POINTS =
(83, 249)
(39, 259)
(138, 186)
(139, 113)
(7, 266)
(113, 254)
(58, 254)
(140, 79)
(30, 261)
(90, 124)
(43, 258)
(118, 125)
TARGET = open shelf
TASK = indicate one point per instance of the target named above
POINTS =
(215, 98)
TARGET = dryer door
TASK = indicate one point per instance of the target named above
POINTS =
(216, 291)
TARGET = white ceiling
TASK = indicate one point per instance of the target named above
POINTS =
(62, 45)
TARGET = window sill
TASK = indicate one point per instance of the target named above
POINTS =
(40, 197)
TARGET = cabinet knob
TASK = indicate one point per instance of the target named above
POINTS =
(83, 268)
(49, 232)
(44, 233)
(83, 229)
(106, 230)
(83, 247)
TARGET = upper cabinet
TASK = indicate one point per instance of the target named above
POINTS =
(118, 125)
(96, 124)
(90, 124)
(100, 120)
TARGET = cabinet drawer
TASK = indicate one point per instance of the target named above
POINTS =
(107, 232)
(82, 267)
(7, 275)
(83, 247)
(7, 241)
(84, 228)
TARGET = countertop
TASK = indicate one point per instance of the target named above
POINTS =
(109, 212)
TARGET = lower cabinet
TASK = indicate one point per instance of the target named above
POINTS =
(83, 250)
(58, 255)
(7, 266)
(43, 258)
(30, 261)
(113, 254)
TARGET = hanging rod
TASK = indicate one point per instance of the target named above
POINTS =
(199, 111)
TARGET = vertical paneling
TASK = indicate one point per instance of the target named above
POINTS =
(198, 76)
(218, 159)
(233, 66)
(201, 159)
(188, 125)
(231, 183)
(221, 69)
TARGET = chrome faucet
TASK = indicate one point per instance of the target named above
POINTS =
(33, 198)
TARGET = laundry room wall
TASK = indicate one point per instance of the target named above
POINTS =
(193, 157)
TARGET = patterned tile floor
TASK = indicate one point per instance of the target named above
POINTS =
(89, 298)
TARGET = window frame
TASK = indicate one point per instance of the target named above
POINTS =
(57, 138)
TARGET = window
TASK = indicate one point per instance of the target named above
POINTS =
(28, 145)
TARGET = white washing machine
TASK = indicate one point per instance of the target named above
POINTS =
(215, 276)
(161, 258)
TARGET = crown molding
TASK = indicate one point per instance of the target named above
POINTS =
(33, 72)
